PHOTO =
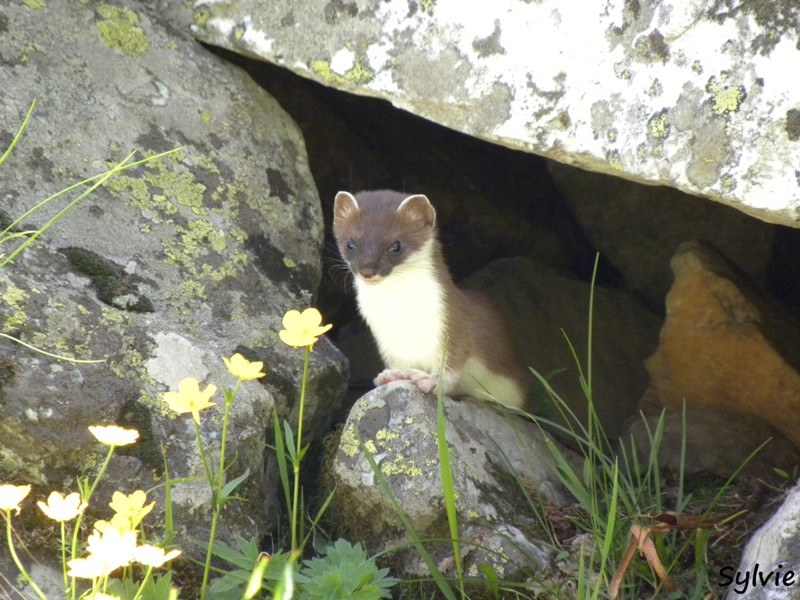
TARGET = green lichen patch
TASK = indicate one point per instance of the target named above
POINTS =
(36, 4)
(359, 73)
(114, 286)
(162, 189)
(614, 160)
(201, 17)
(658, 125)
(12, 301)
(399, 465)
(427, 5)
(120, 29)
(349, 442)
(204, 251)
(725, 99)
(652, 47)
(656, 89)
(199, 245)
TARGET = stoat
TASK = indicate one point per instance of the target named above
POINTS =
(427, 330)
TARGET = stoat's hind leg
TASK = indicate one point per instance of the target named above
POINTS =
(426, 382)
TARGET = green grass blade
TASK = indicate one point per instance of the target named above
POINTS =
(610, 536)
(19, 133)
(590, 336)
(448, 488)
(97, 179)
(229, 487)
(322, 510)
(280, 455)
(63, 211)
(169, 522)
(81, 361)
(438, 578)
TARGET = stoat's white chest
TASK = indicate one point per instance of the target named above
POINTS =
(406, 312)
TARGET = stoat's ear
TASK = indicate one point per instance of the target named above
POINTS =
(344, 205)
(418, 208)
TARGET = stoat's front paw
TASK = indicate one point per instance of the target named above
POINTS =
(427, 383)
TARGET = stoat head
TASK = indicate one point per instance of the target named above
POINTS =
(378, 232)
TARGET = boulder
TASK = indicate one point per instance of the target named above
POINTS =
(498, 461)
(549, 312)
(726, 348)
(692, 95)
(161, 271)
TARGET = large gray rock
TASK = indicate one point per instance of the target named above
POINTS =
(488, 450)
(694, 95)
(162, 271)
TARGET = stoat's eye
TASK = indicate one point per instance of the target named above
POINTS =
(351, 244)
(396, 247)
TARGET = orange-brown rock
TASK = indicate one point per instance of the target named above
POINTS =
(725, 347)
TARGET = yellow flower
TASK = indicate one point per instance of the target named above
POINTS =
(190, 398)
(302, 329)
(60, 508)
(129, 510)
(112, 435)
(90, 567)
(240, 367)
(153, 556)
(108, 551)
(86, 568)
(12, 495)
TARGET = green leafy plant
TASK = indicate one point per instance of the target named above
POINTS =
(245, 558)
(344, 571)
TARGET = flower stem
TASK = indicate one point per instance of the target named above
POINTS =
(299, 450)
(64, 557)
(22, 570)
(216, 486)
(207, 567)
(144, 583)
(206, 467)
(85, 500)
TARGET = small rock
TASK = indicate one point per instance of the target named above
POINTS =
(491, 452)
(774, 548)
